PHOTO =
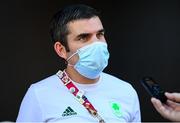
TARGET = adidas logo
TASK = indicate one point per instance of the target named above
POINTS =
(69, 111)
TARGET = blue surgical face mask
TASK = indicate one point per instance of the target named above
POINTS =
(93, 58)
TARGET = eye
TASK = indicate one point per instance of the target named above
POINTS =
(100, 34)
(83, 37)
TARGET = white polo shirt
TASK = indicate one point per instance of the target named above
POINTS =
(50, 101)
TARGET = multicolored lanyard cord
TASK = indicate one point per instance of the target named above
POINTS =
(79, 95)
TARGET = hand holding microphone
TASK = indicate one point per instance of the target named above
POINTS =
(171, 109)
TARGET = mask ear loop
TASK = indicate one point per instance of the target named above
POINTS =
(70, 58)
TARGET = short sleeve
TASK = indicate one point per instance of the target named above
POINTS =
(30, 110)
(136, 111)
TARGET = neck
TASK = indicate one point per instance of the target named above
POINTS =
(75, 76)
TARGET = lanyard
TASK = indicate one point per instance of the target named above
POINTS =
(79, 95)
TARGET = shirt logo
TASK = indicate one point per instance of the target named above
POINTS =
(116, 108)
(68, 112)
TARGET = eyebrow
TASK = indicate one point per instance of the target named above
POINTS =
(83, 35)
(87, 34)
(101, 31)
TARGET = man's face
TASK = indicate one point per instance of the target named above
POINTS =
(83, 32)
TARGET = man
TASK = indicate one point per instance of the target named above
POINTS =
(170, 110)
(81, 92)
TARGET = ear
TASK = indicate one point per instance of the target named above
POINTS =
(60, 50)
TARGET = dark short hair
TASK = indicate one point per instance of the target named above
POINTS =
(58, 25)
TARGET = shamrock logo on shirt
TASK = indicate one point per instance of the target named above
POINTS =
(116, 108)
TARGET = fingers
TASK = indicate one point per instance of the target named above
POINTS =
(173, 105)
(157, 104)
(159, 107)
(170, 110)
(173, 96)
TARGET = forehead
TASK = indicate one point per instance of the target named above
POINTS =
(85, 26)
